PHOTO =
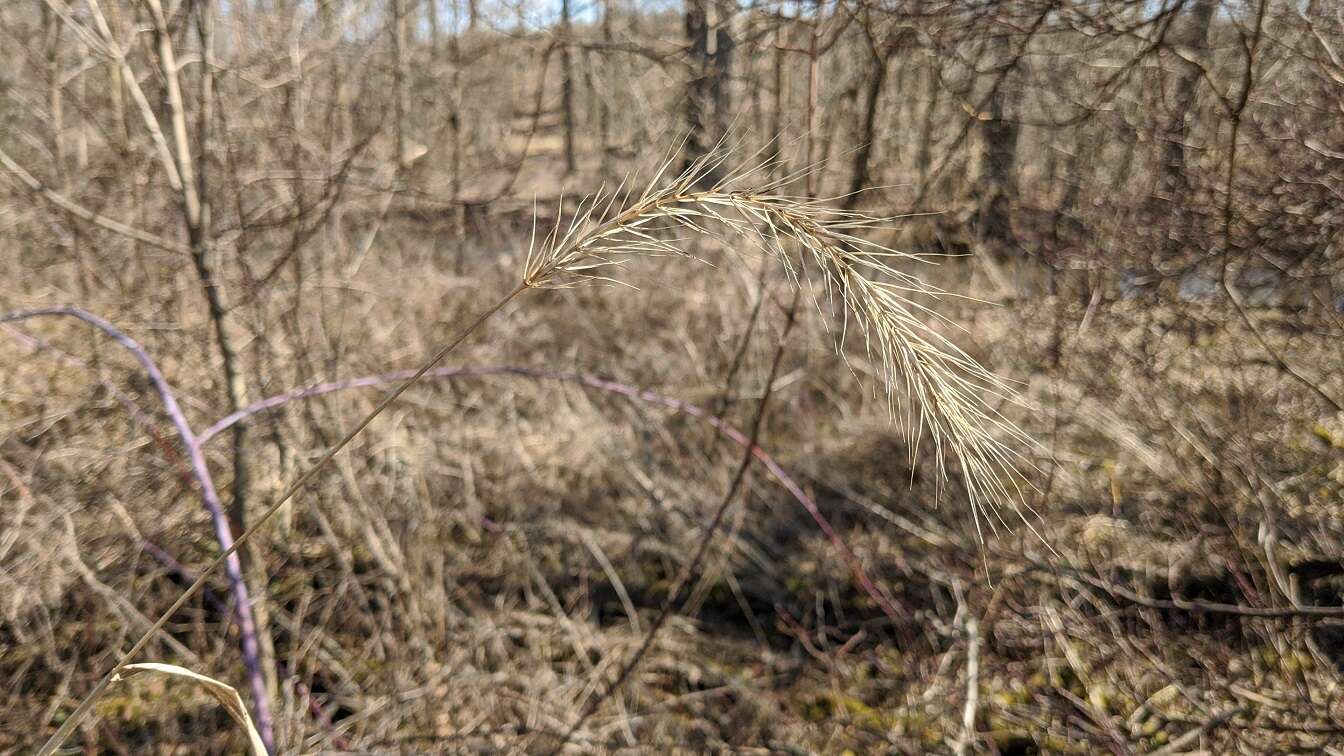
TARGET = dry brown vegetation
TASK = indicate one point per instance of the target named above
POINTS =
(559, 540)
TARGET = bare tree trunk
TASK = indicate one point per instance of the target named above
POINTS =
(400, 83)
(455, 124)
(53, 25)
(708, 97)
(1175, 179)
(604, 99)
(781, 97)
(325, 21)
(253, 561)
(121, 142)
(755, 82)
(877, 79)
(567, 85)
(187, 172)
(924, 144)
(813, 95)
(456, 216)
(998, 160)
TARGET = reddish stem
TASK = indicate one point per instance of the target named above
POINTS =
(601, 384)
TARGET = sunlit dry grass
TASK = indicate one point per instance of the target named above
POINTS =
(933, 386)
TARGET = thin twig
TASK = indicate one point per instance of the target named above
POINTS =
(691, 567)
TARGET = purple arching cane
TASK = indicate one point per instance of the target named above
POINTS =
(247, 628)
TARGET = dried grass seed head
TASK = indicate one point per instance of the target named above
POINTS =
(933, 387)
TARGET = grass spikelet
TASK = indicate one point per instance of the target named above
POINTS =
(932, 386)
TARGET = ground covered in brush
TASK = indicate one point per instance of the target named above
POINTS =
(477, 568)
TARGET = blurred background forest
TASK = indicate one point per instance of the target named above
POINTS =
(1144, 199)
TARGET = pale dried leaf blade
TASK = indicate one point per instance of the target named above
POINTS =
(222, 692)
